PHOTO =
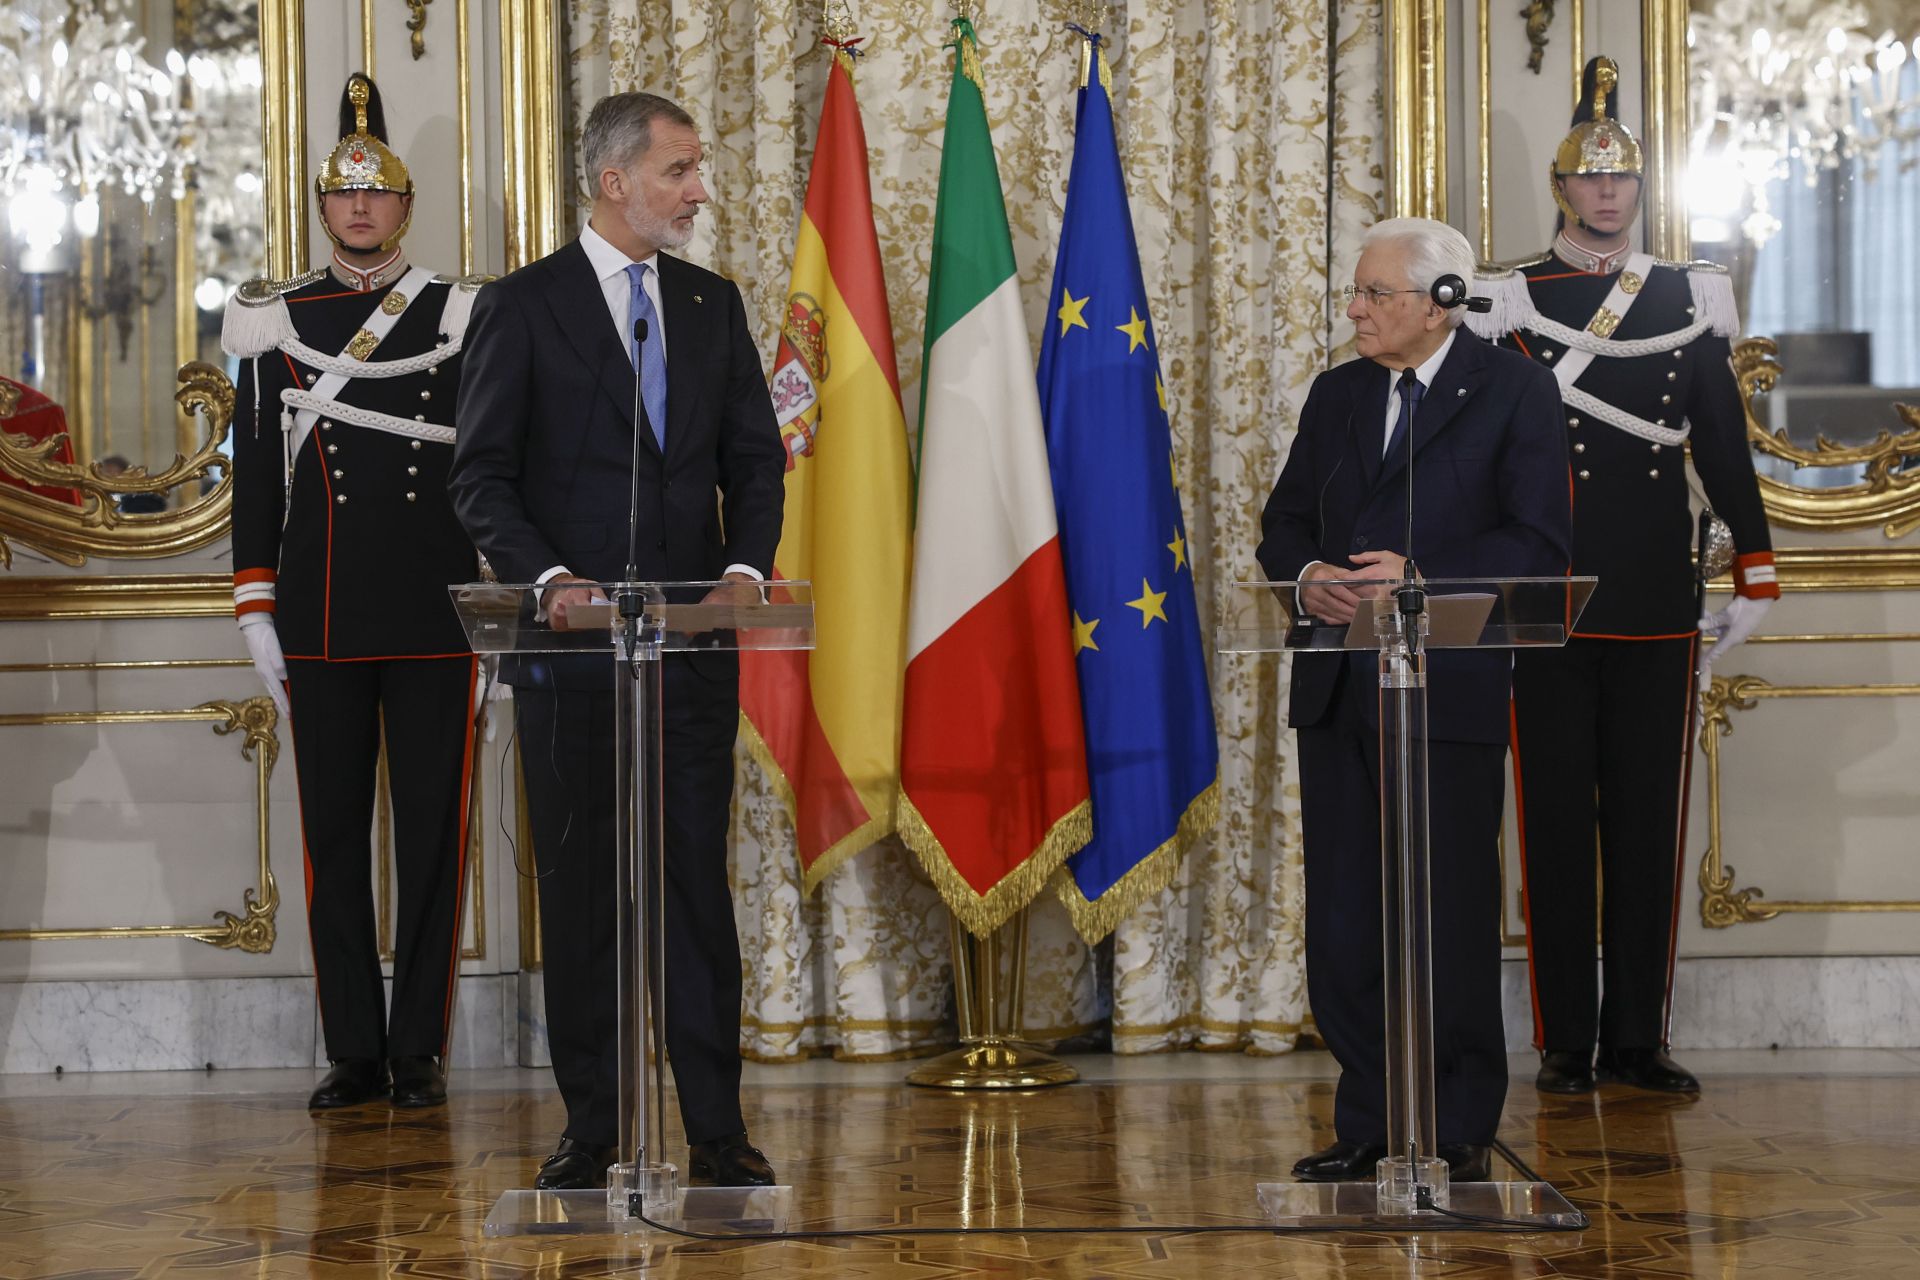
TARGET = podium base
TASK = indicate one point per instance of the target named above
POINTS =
(993, 1063)
(649, 1188)
(1360, 1206)
(708, 1210)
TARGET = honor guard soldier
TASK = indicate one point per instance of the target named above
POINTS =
(344, 543)
(1602, 729)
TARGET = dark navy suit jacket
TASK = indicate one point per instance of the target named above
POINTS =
(1491, 499)
(542, 467)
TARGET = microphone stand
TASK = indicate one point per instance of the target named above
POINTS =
(629, 599)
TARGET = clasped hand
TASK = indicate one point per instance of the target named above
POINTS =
(1339, 598)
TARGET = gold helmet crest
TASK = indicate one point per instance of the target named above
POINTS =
(1598, 142)
(361, 160)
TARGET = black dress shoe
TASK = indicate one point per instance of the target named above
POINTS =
(728, 1162)
(1467, 1162)
(351, 1082)
(1564, 1071)
(1342, 1162)
(1644, 1069)
(418, 1082)
(574, 1166)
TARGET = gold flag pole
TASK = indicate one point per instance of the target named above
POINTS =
(991, 1056)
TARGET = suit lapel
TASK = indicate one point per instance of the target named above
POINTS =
(577, 306)
(686, 322)
(1368, 426)
(1459, 378)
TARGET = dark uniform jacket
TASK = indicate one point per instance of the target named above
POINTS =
(1633, 526)
(361, 551)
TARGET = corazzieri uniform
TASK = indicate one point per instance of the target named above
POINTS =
(1602, 727)
(343, 534)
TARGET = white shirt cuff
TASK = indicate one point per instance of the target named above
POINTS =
(749, 570)
(540, 597)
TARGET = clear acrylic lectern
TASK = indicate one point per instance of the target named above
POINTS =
(1402, 620)
(632, 625)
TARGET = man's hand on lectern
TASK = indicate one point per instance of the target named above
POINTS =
(560, 598)
(1337, 601)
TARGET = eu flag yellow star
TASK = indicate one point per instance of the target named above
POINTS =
(1149, 604)
(1135, 329)
(1083, 634)
(1160, 390)
(1179, 548)
(1070, 310)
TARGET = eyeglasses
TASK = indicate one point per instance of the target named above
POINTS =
(1374, 297)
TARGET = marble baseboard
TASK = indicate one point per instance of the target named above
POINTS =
(1771, 1002)
(189, 1024)
(531, 1039)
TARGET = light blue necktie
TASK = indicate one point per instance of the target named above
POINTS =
(653, 370)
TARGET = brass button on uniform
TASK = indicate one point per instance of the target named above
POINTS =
(1579, 448)
(1656, 448)
(416, 444)
(333, 448)
(1666, 399)
(419, 417)
(312, 378)
(326, 426)
(339, 475)
(1654, 474)
(1584, 475)
(340, 498)
(1679, 352)
(1673, 375)
(1573, 422)
(1546, 353)
(411, 496)
(414, 471)
(426, 395)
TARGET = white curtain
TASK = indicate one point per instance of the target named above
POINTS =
(1250, 133)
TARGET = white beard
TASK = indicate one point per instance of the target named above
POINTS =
(662, 232)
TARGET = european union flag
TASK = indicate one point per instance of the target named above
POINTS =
(1151, 747)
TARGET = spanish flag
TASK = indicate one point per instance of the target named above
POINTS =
(826, 724)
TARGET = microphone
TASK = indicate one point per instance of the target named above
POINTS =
(630, 600)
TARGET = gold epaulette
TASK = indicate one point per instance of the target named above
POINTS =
(1698, 264)
(256, 293)
(470, 283)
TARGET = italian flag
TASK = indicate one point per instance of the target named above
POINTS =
(993, 768)
(826, 724)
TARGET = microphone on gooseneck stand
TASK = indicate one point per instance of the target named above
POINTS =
(629, 601)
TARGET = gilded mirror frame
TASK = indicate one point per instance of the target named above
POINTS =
(94, 525)
(1887, 498)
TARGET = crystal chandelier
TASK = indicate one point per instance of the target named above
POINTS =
(1776, 81)
(82, 111)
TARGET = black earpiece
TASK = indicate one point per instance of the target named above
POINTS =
(1451, 291)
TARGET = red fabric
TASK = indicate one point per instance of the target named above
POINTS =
(38, 418)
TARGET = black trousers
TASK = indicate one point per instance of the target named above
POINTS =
(1340, 812)
(1600, 743)
(426, 705)
(567, 752)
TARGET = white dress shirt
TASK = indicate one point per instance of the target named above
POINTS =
(610, 269)
(1426, 371)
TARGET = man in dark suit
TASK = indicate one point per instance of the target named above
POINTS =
(1483, 428)
(541, 478)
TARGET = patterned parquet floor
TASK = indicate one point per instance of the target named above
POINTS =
(1769, 1173)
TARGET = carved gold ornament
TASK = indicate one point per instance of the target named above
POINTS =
(251, 929)
(1722, 905)
(70, 532)
(1889, 493)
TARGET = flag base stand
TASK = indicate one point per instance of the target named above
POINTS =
(988, 1057)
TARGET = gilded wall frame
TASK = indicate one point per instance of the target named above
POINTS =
(252, 928)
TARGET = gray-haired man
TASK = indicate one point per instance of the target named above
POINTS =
(540, 479)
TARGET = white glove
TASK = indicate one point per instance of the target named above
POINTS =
(1730, 626)
(263, 643)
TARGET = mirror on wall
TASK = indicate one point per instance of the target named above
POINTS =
(1804, 180)
(131, 202)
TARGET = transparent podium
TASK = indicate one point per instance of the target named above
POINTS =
(631, 626)
(1402, 621)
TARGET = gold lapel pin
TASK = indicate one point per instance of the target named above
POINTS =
(698, 298)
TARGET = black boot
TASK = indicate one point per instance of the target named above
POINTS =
(418, 1082)
(1644, 1069)
(1565, 1071)
(351, 1082)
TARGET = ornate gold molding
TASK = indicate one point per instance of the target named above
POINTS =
(1417, 108)
(252, 928)
(1722, 905)
(1888, 496)
(283, 103)
(68, 533)
(140, 595)
(532, 144)
(417, 27)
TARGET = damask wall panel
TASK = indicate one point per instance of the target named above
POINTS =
(1237, 119)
